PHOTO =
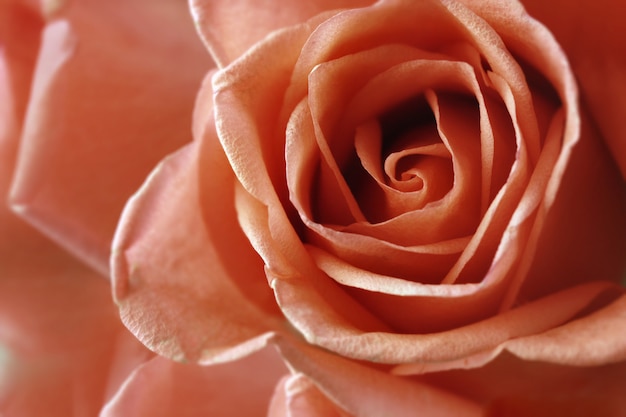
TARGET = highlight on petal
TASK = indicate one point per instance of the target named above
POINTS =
(161, 387)
(100, 115)
(230, 27)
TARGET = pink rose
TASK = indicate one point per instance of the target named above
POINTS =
(386, 209)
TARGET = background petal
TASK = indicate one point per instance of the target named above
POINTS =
(110, 97)
(230, 27)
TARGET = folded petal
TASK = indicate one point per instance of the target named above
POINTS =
(109, 98)
(229, 27)
(165, 388)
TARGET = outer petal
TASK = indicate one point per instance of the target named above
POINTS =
(186, 288)
(109, 98)
(229, 27)
(165, 388)
(592, 34)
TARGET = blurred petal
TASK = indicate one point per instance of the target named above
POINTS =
(163, 388)
(100, 115)
(230, 27)
(592, 34)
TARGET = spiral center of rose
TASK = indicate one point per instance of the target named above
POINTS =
(402, 154)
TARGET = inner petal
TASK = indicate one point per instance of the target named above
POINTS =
(417, 170)
(422, 162)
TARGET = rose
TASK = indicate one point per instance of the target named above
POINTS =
(42, 293)
(278, 156)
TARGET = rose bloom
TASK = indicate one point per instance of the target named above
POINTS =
(368, 208)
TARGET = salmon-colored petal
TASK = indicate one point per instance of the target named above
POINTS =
(230, 27)
(510, 386)
(592, 35)
(174, 292)
(163, 388)
(110, 97)
(297, 396)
